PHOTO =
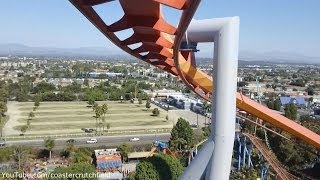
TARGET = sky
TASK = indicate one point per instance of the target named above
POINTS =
(291, 26)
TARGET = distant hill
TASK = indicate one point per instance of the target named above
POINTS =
(104, 52)
(23, 50)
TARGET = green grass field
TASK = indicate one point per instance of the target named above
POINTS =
(70, 117)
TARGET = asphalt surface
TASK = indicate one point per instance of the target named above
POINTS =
(102, 141)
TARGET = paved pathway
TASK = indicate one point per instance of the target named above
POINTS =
(14, 115)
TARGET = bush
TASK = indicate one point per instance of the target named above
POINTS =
(155, 112)
(159, 167)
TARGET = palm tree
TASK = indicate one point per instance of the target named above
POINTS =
(100, 124)
(98, 113)
(31, 115)
(49, 144)
(104, 109)
(148, 105)
(94, 106)
(108, 126)
(103, 119)
(23, 129)
(28, 123)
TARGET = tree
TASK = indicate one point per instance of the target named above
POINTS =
(242, 84)
(148, 106)
(43, 87)
(3, 108)
(108, 126)
(20, 155)
(290, 111)
(103, 121)
(104, 109)
(274, 104)
(155, 112)
(124, 150)
(310, 91)
(82, 155)
(86, 82)
(69, 149)
(76, 168)
(28, 123)
(277, 105)
(49, 143)
(23, 129)
(37, 103)
(31, 115)
(245, 174)
(310, 99)
(91, 101)
(103, 76)
(140, 100)
(159, 166)
(98, 112)
(268, 86)
(182, 130)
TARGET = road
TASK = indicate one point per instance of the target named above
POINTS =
(102, 141)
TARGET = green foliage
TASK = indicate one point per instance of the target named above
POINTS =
(73, 88)
(86, 82)
(148, 105)
(310, 91)
(95, 94)
(49, 143)
(140, 100)
(31, 115)
(155, 112)
(61, 96)
(3, 108)
(6, 154)
(20, 155)
(124, 150)
(245, 174)
(181, 135)
(159, 167)
(274, 104)
(81, 155)
(43, 87)
(23, 129)
(76, 168)
(298, 82)
(206, 131)
(37, 100)
(242, 84)
(290, 111)
(290, 154)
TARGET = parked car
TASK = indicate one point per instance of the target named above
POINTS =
(88, 130)
(71, 141)
(134, 139)
(92, 141)
(2, 143)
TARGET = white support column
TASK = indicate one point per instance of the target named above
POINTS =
(224, 99)
(214, 159)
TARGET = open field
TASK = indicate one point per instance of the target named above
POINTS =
(70, 117)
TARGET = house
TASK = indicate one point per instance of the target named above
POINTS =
(299, 101)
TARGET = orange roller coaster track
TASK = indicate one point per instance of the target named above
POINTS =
(161, 41)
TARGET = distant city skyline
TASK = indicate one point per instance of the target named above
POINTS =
(283, 27)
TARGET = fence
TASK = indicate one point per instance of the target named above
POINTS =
(146, 131)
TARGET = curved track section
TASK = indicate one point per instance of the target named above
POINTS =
(160, 42)
(271, 158)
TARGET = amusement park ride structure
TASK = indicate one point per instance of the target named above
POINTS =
(172, 49)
